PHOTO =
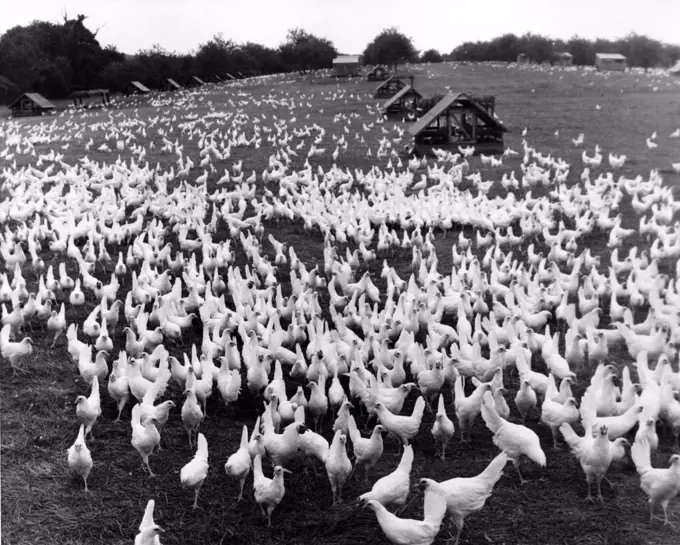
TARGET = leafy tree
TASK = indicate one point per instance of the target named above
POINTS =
(431, 55)
(304, 51)
(390, 47)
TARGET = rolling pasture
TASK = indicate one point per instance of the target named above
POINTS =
(42, 502)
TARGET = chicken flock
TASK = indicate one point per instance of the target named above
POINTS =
(330, 358)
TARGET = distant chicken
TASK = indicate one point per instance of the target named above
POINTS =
(513, 439)
(268, 492)
(413, 532)
(467, 495)
(393, 489)
(661, 485)
(193, 474)
(338, 465)
(79, 457)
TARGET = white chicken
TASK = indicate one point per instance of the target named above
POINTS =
(79, 457)
(194, 473)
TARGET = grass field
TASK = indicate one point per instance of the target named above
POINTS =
(43, 503)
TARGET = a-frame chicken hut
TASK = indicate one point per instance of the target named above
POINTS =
(458, 120)
(392, 85)
(405, 101)
(30, 104)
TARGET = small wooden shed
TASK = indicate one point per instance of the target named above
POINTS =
(611, 61)
(92, 94)
(136, 88)
(675, 69)
(378, 73)
(229, 77)
(392, 85)
(194, 81)
(458, 120)
(345, 66)
(171, 85)
(30, 104)
(405, 101)
(563, 58)
(522, 58)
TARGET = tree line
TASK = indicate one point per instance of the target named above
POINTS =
(640, 50)
(55, 59)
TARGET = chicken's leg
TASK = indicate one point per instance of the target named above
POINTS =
(146, 463)
(85, 480)
(599, 491)
(666, 521)
(198, 489)
(589, 497)
(521, 479)
(554, 434)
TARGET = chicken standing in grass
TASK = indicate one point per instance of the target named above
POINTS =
(404, 428)
(79, 457)
(660, 484)
(145, 436)
(467, 495)
(594, 454)
(393, 489)
(148, 529)
(88, 409)
(443, 428)
(513, 439)
(194, 473)
(14, 351)
(268, 492)
(468, 408)
(367, 451)
(238, 464)
(192, 415)
(413, 532)
(338, 465)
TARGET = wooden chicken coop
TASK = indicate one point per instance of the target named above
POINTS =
(30, 104)
(404, 102)
(136, 88)
(458, 120)
(392, 85)
(194, 81)
(91, 96)
(171, 85)
(377, 73)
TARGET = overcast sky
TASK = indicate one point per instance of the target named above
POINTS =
(181, 25)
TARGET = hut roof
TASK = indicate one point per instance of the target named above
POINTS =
(611, 56)
(140, 86)
(90, 92)
(37, 98)
(445, 103)
(403, 91)
(173, 83)
(197, 80)
(346, 59)
(675, 70)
